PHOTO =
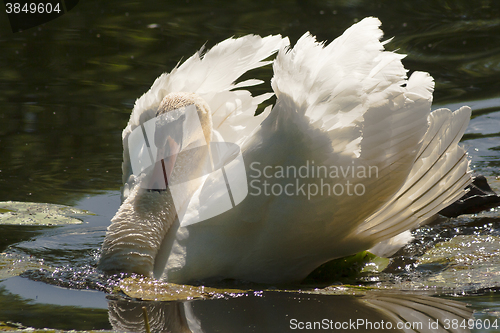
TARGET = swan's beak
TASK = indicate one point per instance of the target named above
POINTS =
(163, 168)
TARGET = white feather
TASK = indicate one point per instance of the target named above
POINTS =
(438, 178)
(212, 76)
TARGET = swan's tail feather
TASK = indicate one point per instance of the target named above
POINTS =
(437, 178)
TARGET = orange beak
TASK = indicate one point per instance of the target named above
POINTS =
(164, 167)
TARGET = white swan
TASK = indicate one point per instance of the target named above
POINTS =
(347, 108)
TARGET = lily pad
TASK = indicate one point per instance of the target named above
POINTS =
(464, 250)
(14, 264)
(39, 214)
(148, 289)
(468, 260)
(347, 269)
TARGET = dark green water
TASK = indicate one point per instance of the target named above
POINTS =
(66, 91)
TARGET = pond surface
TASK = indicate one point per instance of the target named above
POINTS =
(66, 91)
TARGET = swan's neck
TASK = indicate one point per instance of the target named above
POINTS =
(137, 231)
(145, 217)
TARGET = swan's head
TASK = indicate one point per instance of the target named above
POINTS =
(179, 100)
(183, 127)
(183, 131)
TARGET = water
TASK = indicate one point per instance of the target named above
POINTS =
(66, 91)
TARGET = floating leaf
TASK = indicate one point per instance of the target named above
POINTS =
(41, 214)
(347, 269)
(154, 290)
(15, 264)
(469, 260)
(464, 251)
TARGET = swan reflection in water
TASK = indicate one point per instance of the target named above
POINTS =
(281, 312)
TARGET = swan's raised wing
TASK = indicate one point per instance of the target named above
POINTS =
(356, 98)
(212, 75)
(357, 114)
